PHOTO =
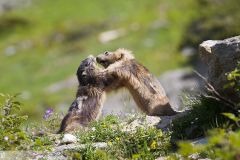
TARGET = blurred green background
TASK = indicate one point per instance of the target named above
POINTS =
(42, 42)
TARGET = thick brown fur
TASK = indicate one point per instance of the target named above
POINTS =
(145, 89)
(89, 98)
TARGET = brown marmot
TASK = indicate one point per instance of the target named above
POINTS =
(89, 98)
(145, 89)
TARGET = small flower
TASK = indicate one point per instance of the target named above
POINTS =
(6, 138)
(48, 113)
(93, 129)
(109, 143)
(117, 139)
(160, 134)
(153, 145)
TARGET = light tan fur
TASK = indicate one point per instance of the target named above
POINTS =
(145, 89)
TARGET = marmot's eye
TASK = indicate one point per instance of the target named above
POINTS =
(106, 53)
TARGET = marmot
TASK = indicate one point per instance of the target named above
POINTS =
(145, 89)
(89, 97)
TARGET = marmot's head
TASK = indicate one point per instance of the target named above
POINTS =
(108, 58)
(86, 71)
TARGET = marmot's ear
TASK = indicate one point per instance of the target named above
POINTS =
(121, 55)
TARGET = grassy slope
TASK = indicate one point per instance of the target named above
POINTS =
(48, 61)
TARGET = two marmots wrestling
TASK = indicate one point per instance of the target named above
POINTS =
(120, 70)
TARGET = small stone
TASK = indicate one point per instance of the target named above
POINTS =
(11, 50)
(200, 141)
(152, 120)
(69, 138)
(141, 122)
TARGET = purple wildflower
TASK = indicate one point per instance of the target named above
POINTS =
(48, 113)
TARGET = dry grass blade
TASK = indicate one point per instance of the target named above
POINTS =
(216, 95)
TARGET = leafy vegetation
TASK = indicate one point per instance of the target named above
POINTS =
(194, 124)
(12, 134)
(234, 79)
(223, 141)
(139, 143)
(222, 144)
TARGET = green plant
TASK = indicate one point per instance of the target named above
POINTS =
(11, 134)
(221, 144)
(89, 153)
(234, 79)
(41, 143)
(143, 143)
(140, 143)
(204, 114)
(103, 130)
(51, 121)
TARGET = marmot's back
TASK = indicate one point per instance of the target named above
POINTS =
(145, 88)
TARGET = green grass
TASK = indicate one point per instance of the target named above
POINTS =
(46, 61)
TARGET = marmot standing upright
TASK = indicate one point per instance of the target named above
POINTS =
(89, 98)
(145, 89)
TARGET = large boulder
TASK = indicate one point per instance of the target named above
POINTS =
(221, 57)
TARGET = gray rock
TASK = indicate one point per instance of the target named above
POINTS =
(200, 141)
(179, 82)
(141, 121)
(221, 57)
(161, 158)
(69, 138)
(76, 147)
